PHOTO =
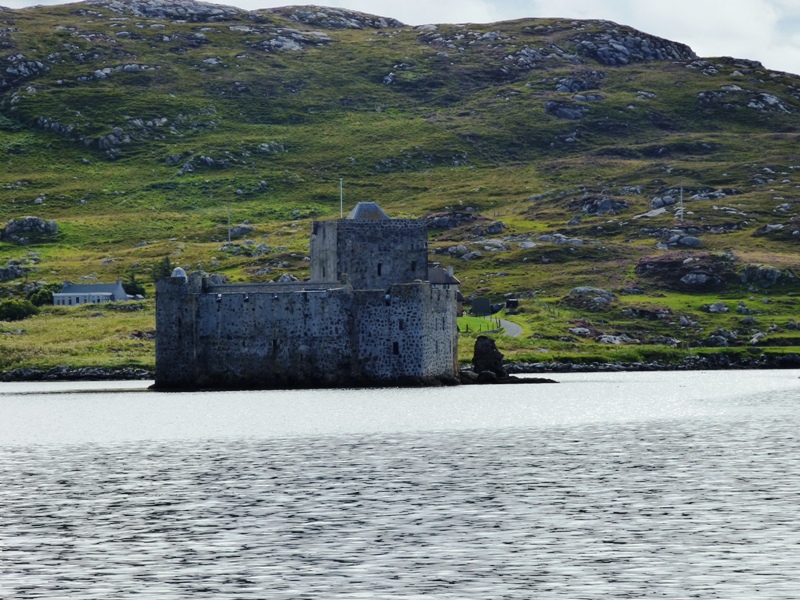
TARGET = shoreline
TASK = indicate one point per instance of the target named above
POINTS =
(711, 362)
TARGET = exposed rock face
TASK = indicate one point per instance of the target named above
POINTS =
(732, 97)
(27, 229)
(763, 275)
(335, 18)
(188, 10)
(613, 48)
(241, 230)
(589, 81)
(11, 272)
(450, 220)
(603, 205)
(488, 358)
(20, 70)
(717, 308)
(590, 298)
(616, 340)
(687, 272)
(565, 110)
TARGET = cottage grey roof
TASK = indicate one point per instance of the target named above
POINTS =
(88, 288)
(367, 210)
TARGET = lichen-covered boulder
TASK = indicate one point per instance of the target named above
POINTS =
(25, 230)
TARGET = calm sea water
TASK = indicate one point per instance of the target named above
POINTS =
(637, 485)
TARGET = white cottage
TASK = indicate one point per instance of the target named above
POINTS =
(89, 293)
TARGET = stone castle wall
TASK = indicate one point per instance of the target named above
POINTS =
(264, 336)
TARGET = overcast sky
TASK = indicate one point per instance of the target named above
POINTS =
(765, 30)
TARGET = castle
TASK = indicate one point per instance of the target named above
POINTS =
(369, 315)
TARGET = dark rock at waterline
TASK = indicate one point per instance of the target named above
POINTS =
(487, 358)
(64, 373)
(692, 362)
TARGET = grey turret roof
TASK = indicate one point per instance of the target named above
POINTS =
(367, 210)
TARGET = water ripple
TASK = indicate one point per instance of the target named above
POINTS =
(668, 509)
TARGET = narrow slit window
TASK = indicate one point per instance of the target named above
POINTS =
(380, 268)
(395, 348)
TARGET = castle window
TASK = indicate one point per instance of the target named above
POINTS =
(323, 270)
(395, 348)
(274, 346)
(414, 266)
(401, 324)
(380, 268)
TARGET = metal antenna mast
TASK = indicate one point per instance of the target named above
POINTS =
(341, 200)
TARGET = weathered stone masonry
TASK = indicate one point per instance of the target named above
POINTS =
(360, 321)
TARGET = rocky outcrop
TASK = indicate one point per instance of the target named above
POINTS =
(698, 272)
(185, 10)
(764, 276)
(590, 298)
(293, 40)
(26, 230)
(603, 206)
(451, 220)
(613, 48)
(11, 271)
(335, 18)
(580, 82)
(566, 110)
(731, 97)
(20, 70)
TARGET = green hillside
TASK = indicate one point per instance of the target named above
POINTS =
(552, 153)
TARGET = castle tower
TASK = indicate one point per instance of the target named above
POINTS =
(369, 250)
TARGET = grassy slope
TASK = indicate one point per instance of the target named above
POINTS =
(453, 131)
